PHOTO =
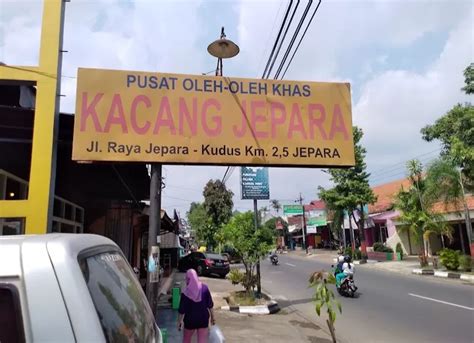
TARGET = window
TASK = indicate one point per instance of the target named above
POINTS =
(118, 298)
(10, 316)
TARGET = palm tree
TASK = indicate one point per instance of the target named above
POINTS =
(275, 204)
(444, 182)
(415, 205)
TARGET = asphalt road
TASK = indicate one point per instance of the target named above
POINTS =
(389, 308)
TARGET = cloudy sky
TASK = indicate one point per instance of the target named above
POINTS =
(403, 58)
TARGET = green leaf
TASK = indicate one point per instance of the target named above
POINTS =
(339, 306)
(318, 307)
(332, 315)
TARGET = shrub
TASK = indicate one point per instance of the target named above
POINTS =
(399, 249)
(380, 247)
(465, 262)
(348, 251)
(449, 258)
(357, 254)
(236, 276)
(423, 260)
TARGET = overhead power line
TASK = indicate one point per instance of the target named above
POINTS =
(301, 39)
(295, 34)
(281, 41)
(278, 38)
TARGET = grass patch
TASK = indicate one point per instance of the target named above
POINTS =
(242, 298)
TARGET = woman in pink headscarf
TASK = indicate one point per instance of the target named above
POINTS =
(195, 309)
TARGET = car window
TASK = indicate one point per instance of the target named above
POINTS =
(11, 327)
(215, 256)
(119, 301)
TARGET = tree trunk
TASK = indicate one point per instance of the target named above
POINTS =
(351, 232)
(363, 246)
(332, 330)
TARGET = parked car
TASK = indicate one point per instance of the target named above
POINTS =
(70, 288)
(205, 264)
(232, 256)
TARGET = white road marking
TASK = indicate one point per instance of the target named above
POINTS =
(289, 264)
(441, 302)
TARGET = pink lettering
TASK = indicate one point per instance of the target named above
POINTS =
(244, 123)
(141, 130)
(256, 118)
(116, 115)
(296, 122)
(164, 117)
(317, 121)
(337, 124)
(89, 111)
(277, 120)
(191, 118)
(211, 132)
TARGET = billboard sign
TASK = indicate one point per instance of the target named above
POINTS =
(186, 119)
(254, 183)
(292, 210)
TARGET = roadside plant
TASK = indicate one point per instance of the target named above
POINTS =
(449, 258)
(235, 276)
(380, 247)
(465, 261)
(399, 249)
(324, 297)
(249, 244)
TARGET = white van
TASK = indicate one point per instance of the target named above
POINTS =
(70, 288)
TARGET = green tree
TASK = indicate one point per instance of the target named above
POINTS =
(415, 205)
(351, 189)
(455, 130)
(218, 205)
(469, 79)
(249, 243)
(275, 204)
(444, 183)
(200, 223)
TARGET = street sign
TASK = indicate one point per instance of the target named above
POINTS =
(292, 210)
(254, 183)
(186, 119)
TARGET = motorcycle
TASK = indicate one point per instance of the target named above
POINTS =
(347, 287)
(274, 259)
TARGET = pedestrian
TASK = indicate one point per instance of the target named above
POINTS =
(195, 309)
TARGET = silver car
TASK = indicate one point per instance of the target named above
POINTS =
(70, 288)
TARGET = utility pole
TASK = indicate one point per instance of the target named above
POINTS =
(259, 285)
(300, 200)
(153, 263)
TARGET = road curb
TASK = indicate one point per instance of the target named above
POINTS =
(467, 277)
(271, 308)
(450, 275)
(419, 271)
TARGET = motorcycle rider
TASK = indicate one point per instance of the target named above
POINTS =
(340, 262)
(347, 269)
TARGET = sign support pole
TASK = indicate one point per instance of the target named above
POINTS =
(153, 263)
(259, 285)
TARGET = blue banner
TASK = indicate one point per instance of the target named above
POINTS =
(254, 183)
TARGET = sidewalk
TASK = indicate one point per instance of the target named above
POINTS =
(285, 326)
(406, 267)
(319, 254)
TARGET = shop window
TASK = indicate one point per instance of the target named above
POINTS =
(12, 226)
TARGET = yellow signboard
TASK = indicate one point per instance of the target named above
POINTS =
(187, 119)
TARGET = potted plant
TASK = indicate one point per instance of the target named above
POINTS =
(399, 250)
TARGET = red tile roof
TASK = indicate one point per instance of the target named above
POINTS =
(386, 194)
(316, 205)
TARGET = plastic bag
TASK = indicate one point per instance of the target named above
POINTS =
(216, 335)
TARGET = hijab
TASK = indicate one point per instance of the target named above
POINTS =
(193, 288)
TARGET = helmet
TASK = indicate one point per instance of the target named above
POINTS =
(340, 259)
(347, 259)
